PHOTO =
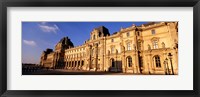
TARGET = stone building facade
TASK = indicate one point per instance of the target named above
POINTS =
(151, 48)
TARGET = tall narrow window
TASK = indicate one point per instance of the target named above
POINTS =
(94, 37)
(140, 61)
(128, 34)
(129, 61)
(155, 44)
(128, 46)
(112, 50)
(153, 32)
(139, 45)
(157, 61)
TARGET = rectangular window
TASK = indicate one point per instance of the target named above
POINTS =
(127, 34)
(157, 60)
(128, 46)
(153, 32)
(139, 45)
(155, 44)
(112, 50)
(129, 62)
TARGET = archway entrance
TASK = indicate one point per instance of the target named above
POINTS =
(115, 66)
(112, 62)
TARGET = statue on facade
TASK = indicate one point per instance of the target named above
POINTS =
(149, 47)
(134, 46)
(108, 52)
(122, 47)
(163, 45)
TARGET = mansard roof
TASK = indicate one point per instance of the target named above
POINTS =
(66, 41)
(103, 30)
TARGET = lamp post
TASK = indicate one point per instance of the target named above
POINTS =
(148, 68)
(170, 57)
(166, 66)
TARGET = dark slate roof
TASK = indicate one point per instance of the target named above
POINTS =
(103, 30)
(66, 41)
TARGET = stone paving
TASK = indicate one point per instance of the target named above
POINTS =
(70, 72)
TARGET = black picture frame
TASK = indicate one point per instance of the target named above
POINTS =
(99, 3)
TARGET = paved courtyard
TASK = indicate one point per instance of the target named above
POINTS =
(70, 72)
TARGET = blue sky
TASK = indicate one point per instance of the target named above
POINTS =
(37, 36)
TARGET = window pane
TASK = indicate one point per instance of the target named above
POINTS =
(155, 44)
(153, 32)
(157, 61)
(128, 46)
(129, 59)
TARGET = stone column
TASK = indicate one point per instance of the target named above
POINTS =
(137, 69)
(135, 64)
(152, 67)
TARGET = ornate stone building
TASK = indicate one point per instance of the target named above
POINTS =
(148, 49)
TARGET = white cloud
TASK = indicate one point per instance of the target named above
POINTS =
(30, 43)
(46, 28)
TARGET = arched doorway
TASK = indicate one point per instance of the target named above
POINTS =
(112, 65)
(112, 61)
(82, 63)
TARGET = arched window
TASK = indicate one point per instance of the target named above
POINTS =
(82, 62)
(157, 61)
(112, 62)
(93, 37)
(129, 61)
